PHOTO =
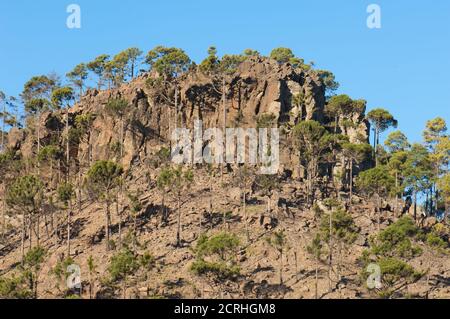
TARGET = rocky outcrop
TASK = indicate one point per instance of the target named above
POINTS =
(260, 86)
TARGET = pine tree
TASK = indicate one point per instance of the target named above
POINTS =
(65, 194)
(312, 141)
(381, 120)
(63, 96)
(78, 76)
(25, 196)
(279, 242)
(376, 183)
(103, 180)
(355, 153)
(316, 250)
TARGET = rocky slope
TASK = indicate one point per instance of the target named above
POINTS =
(261, 86)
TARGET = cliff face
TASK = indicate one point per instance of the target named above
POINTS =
(260, 86)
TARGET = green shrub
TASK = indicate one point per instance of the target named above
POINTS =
(14, 288)
(216, 256)
(343, 227)
(219, 244)
(220, 269)
(435, 241)
(395, 240)
(122, 264)
(60, 269)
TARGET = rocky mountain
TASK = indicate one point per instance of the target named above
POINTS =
(211, 203)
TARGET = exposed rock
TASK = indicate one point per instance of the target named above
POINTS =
(261, 86)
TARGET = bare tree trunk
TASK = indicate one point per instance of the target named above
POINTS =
(38, 237)
(119, 214)
(163, 209)
(351, 185)
(38, 141)
(415, 205)
(56, 229)
(30, 231)
(67, 144)
(281, 267)
(22, 240)
(210, 205)
(247, 231)
(59, 170)
(178, 222)
(331, 250)
(3, 213)
(47, 232)
(339, 264)
(396, 195)
(90, 285)
(379, 213)
(107, 216)
(296, 265)
(68, 228)
(81, 88)
(134, 230)
(316, 286)
(3, 126)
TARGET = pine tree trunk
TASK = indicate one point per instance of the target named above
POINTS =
(81, 88)
(317, 283)
(210, 205)
(379, 213)
(3, 126)
(375, 146)
(30, 232)
(377, 135)
(415, 205)
(281, 267)
(247, 232)
(35, 286)
(351, 185)
(67, 144)
(296, 265)
(22, 240)
(163, 210)
(47, 232)
(37, 229)
(38, 140)
(178, 222)
(68, 228)
(396, 195)
(56, 229)
(107, 225)
(134, 230)
(3, 213)
(90, 285)
(330, 258)
(120, 222)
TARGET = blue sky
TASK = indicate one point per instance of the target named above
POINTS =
(403, 67)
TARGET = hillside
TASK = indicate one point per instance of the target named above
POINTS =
(260, 228)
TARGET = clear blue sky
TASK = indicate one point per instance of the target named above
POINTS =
(404, 66)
